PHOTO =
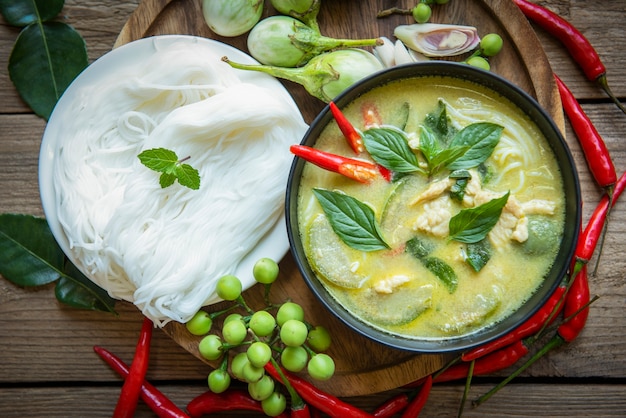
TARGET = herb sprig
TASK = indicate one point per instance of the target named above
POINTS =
(172, 168)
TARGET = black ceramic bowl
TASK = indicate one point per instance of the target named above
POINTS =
(570, 183)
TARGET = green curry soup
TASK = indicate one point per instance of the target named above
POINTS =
(424, 283)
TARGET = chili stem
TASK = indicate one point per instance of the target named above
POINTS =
(555, 342)
(468, 383)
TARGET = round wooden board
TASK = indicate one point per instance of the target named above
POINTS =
(362, 366)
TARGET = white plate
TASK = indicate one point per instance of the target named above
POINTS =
(274, 245)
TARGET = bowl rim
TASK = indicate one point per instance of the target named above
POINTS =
(571, 187)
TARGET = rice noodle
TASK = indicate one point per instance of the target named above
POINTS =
(164, 249)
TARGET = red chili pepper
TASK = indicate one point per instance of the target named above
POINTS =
(392, 406)
(593, 146)
(154, 398)
(490, 363)
(575, 301)
(131, 390)
(590, 236)
(574, 41)
(371, 117)
(415, 406)
(347, 129)
(230, 400)
(359, 170)
(317, 398)
(534, 324)
(303, 411)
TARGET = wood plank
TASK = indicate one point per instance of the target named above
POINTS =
(574, 400)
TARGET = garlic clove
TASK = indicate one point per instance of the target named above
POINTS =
(438, 40)
(401, 54)
(385, 52)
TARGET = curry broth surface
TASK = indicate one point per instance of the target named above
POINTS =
(522, 163)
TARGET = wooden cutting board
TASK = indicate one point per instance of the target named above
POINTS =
(362, 366)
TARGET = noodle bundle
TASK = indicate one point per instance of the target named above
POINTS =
(164, 248)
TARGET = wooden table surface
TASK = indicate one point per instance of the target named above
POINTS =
(48, 368)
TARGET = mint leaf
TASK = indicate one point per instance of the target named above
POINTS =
(158, 159)
(472, 225)
(166, 180)
(352, 220)
(188, 176)
(389, 147)
(481, 139)
(166, 161)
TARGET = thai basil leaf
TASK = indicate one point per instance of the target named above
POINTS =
(389, 147)
(443, 271)
(78, 291)
(353, 221)
(446, 157)
(24, 12)
(473, 224)
(438, 122)
(29, 254)
(478, 254)
(481, 138)
(429, 146)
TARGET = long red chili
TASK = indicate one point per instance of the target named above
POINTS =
(230, 400)
(590, 236)
(392, 406)
(160, 404)
(359, 170)
(415, 406)
(574, 41)
(593, 146)
(317, 398)
(131, 390)
(347, 129)
(490, 363)
(534, 324)
(575, 301)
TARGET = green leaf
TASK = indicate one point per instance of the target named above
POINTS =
(389, 147)
(429, 145)
(44, 61)
(472, 225)
(23, 12)
(158, 159)
(481, 138)
(76, 290)
(29, 254)
(443, 271)
(352, 220)
(445, 158)
(188, 176)
(166, 162)
(437, 121)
